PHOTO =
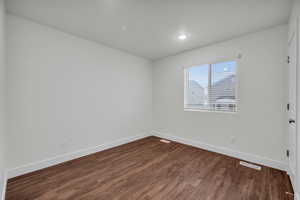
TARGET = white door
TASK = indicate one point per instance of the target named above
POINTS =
(292, 137)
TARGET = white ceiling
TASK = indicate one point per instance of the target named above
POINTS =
(149, 28)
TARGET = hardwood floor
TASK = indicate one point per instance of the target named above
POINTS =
(148, 169)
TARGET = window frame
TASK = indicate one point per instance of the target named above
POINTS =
(185, 84)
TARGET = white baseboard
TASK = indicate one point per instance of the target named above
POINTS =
(292, 179)
(69, 156)
(77, 154)
(226, 151)
(3, 183)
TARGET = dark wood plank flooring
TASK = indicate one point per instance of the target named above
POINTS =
(148, 169)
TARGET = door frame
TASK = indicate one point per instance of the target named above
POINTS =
(292, 170)
(296, 182)
(297, 187)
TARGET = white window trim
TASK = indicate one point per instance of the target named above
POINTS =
(185, 79)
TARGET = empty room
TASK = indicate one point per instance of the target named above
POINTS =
(149, 100)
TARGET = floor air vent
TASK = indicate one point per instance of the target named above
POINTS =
(165, 141)
(250, 165)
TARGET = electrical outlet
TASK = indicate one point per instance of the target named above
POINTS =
(63, 145)
(232, 139)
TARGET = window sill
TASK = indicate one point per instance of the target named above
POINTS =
(209, 111)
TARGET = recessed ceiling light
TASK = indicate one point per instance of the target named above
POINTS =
(182, 36)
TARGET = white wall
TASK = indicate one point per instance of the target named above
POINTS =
(259, 127)
(2, 97)
(68, 94)
(295, 13)
(65, 94)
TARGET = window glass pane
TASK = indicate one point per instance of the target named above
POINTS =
(196, 94)
(223, 81)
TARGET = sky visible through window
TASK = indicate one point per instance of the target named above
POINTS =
(221, 91)
(200, 73)
(222, 70)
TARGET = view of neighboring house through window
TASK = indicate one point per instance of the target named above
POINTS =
(211, 87)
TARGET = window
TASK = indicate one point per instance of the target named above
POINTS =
(211, 87)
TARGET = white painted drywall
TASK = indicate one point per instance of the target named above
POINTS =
(68, 94)
(294, 20)
(259, 127)
(295, 13)
(150, 28)
(3, 96)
